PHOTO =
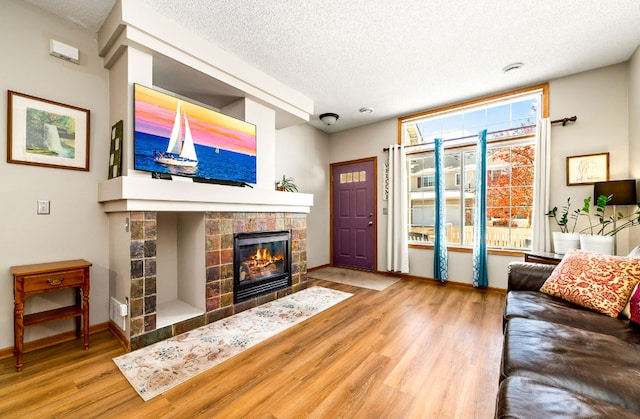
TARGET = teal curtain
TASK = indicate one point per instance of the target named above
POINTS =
(440, 256)
(480, 274)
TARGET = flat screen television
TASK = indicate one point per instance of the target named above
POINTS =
(177, 137)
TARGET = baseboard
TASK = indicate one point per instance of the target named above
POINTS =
(422, 278)
(115, 331)
(52, 340)
(453, 283)
(6, 353)
(318, 267)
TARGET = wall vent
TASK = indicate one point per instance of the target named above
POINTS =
(64, 51)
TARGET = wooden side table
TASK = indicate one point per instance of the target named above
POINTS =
(43, 277)
(543, 257)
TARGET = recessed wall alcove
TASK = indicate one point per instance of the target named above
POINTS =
(180, 268)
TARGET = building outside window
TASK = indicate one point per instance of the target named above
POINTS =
(427, 182)
(511, 123)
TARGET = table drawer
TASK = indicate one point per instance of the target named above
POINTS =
(54, 280)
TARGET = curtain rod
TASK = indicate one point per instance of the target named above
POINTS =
(564, 122)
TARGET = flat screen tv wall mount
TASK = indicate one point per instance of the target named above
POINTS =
(164, 176)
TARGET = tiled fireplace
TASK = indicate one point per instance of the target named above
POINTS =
(216, 298)
(261, 263)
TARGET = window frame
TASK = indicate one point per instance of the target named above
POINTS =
(422, 148)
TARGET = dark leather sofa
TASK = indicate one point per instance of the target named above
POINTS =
(562, 360)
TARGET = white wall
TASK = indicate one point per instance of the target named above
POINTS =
(167, 257)
(599, 98)
(634, 131)
(302, 152)
(365, 142)
(77, 226)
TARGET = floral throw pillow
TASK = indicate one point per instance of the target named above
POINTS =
(626, 311)
(635, 306)
(600, 282)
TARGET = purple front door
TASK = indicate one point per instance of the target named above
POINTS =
(354, 219)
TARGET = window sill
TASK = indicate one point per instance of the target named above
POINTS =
(464, 249)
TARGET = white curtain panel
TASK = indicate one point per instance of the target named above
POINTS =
(541, 240)
(397, 229)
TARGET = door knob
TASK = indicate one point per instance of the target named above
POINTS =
(370, 223)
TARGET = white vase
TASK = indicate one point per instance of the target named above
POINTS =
(562, 242)
(597, 244)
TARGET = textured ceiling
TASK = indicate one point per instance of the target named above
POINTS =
(399, 57)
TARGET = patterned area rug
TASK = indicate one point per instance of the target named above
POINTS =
(354, 277)
(157, 368)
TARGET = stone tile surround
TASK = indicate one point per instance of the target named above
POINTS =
(220, 228)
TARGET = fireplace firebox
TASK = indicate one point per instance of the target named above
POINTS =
(261, 263)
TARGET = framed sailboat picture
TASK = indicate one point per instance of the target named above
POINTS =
(45, 133)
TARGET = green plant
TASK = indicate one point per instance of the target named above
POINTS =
(608, 226)
(286, 184)
(600, 205)
(630, 220)
(563, 221)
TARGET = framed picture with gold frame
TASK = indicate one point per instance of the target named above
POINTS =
(42, 132)
(587, 169)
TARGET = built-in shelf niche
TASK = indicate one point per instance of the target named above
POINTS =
(180, 267)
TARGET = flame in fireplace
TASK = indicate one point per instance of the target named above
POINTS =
(261, 264)
(263, 257)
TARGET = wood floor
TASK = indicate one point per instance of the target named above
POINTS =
(415, 350)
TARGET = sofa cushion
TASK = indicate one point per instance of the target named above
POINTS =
(520, 397)
(527, 276)
(599, 282)
(594, 365)
(537, 306)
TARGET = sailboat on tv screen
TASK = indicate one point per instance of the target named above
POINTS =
(180, 152)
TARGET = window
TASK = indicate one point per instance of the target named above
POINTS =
(511, 123)
(426, 182)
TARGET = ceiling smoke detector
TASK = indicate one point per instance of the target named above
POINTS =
(512, 68)
(366, 109)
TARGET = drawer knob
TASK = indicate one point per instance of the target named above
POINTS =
(55, 281)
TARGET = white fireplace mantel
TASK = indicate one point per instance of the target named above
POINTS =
(133, 193)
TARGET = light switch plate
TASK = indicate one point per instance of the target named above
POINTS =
(43, 207)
